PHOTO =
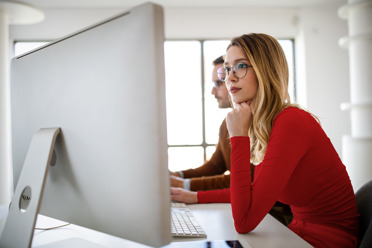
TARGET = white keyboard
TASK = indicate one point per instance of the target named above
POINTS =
(183, 223)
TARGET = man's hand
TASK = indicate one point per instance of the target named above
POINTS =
(183, 195)
(176, 181)
(176, 174)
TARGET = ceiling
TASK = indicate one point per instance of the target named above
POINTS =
(53, 4)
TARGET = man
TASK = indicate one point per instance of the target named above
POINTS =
(212, 174)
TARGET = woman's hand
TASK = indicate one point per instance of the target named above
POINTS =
(183, 195)
(239, 119)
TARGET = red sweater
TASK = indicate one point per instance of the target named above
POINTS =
(302, 169)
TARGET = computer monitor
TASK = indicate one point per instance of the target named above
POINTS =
(104, 87)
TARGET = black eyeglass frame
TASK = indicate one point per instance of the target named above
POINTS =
(227, 73)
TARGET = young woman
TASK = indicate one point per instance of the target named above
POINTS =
(296, 162)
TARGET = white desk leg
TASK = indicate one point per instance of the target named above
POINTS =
(19, 226)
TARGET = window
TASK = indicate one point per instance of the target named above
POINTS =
(193, 116)
(25, 46)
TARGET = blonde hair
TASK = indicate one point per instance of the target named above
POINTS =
(270, 65)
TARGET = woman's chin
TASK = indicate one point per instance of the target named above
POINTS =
(236, 100)
(239, 101)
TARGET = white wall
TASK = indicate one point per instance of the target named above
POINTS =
(322, 66)
(326, 73)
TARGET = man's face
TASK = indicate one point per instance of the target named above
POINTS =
(219, 90)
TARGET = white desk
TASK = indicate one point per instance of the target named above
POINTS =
(216, 219)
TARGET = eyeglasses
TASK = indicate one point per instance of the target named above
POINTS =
(239, 70)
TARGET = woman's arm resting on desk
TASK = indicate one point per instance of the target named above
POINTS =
(183, 195)
(209, 196)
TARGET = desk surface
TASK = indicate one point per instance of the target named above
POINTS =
(216, 219)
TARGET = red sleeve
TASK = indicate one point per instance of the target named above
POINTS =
(251, 202)
(214, 196)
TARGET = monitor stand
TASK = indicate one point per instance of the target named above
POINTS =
(19, 226)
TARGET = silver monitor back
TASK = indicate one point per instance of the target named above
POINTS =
(105, 88)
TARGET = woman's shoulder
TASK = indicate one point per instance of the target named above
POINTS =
(296, 114)
(292, 112)
(297, 123)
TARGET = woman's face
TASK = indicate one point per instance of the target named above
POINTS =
(242, 89)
